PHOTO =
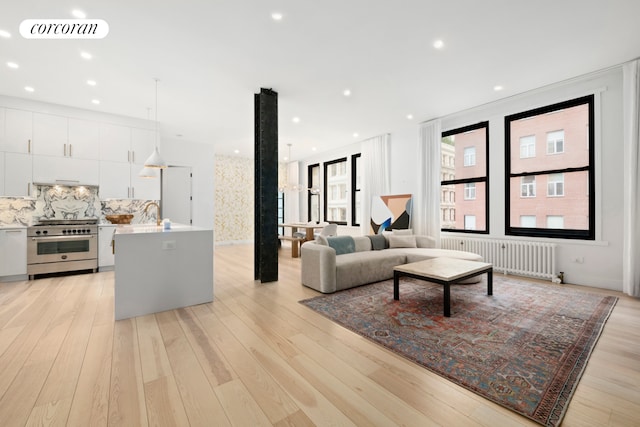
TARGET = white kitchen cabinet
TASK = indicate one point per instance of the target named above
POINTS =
(50, 169)
(18, 135)
(84, 139)
(106, 257)
(1, 173)
(50, 135)
(18, 178)
(115, 143)
(143, 142)
(121, 181)
(13, 253)
(2, 126)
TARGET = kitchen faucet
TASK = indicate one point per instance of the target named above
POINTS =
(158, 216)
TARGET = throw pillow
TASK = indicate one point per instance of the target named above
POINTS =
(321, 240)
(342, 244)
(402, 241)
(403, 232)
(378, 242)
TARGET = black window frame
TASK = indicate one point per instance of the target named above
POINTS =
(355, 190)
(309, 187)
(589, 234)
(326, 176)
(485, 179)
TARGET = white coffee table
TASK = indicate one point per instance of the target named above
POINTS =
(444, 271)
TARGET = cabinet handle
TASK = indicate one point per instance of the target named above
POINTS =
(65, 150)
(13, 231)
(70, 146)
(113, 246)
(29, 146)
(28, 189)
(133, 192)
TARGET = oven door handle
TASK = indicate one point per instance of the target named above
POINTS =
(62, 238)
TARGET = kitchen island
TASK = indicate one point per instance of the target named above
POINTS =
(158, 269)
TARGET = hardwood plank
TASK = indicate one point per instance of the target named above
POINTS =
(153, 355)
(164, 406)
(239, 406)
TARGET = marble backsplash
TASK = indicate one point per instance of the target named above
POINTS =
(62, 202)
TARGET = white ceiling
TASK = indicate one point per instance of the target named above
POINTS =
(211, 56)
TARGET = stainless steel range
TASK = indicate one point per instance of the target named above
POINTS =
(55, 246)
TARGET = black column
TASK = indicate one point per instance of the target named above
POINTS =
(266, 186)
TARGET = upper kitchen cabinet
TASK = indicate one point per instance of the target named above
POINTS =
(49, 169)
(143, 142)
(1, 173)
(84, 139)
(50, 135)
(115, 143)
(18, 177)
(16, 137)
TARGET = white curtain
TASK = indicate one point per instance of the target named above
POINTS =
(631, 231)
(426, 208)
(292, 198)
(375, 175)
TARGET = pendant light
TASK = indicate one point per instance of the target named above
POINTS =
(149, 172)
(155, 160)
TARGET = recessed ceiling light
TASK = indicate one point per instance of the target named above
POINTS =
(78, 14)
(86, 55)
(29, 89)
(409, 116)
(95, 101)
(12, 65)
(497, 88)
(355, 134)
(276, 16)
(313, 148)
(438, 44)
(296, 120)
(5, 34)
(91, 82)
(285, 158)
(236, 151)
(346, 92)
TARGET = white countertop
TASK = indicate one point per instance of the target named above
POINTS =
(152, 228)
(8, 227)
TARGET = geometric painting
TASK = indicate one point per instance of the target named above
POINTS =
(390, 212)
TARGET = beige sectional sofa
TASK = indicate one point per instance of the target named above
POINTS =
(334, 264)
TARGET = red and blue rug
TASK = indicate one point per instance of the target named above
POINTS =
(524, 348)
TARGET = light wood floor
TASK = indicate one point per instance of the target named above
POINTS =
(253, 357)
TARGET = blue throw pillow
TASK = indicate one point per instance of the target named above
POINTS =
(342, 244)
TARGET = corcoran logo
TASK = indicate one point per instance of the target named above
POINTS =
(64, 28)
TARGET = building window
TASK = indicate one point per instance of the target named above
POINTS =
(469, 222)
(528, 186)
(335, 191)
(313, 185)
(569, 173)
(555, 221)
(470, 156)
(470, 191)
(555, 185)
(528, 221)
(527, 146)
(280, 213)
(468, 183)
(356, 181)
(555, 142)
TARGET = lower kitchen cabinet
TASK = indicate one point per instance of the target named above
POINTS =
(13, 254)
(106, 259)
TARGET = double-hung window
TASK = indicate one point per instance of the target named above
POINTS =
(335, 191)
(465, 183)
(564, 173)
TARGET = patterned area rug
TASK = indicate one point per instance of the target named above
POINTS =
(524, 348)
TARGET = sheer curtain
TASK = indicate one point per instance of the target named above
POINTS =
(375, 175)
(631, 254)
(426, 218)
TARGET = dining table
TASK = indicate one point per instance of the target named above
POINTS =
(296, 227)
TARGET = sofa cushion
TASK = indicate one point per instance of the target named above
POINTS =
(342, 244)
(363, 244)
(322, 240)
(360, 268)
(403, 232)
(401, 241)
(378, 242)
(420, 254)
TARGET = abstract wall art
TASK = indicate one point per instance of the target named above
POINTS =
(390, 212)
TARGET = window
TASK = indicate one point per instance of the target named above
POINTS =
(335, 191)
(568, 211)
(313, 185)
(555, 185)
(555, 221)
(280, 213)
(527, 146)
(469, 222)
(468, 183)
(470, 156)
(470, 191)
(528, 186)
(356, 180)
(555, 142)
(528, 221)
